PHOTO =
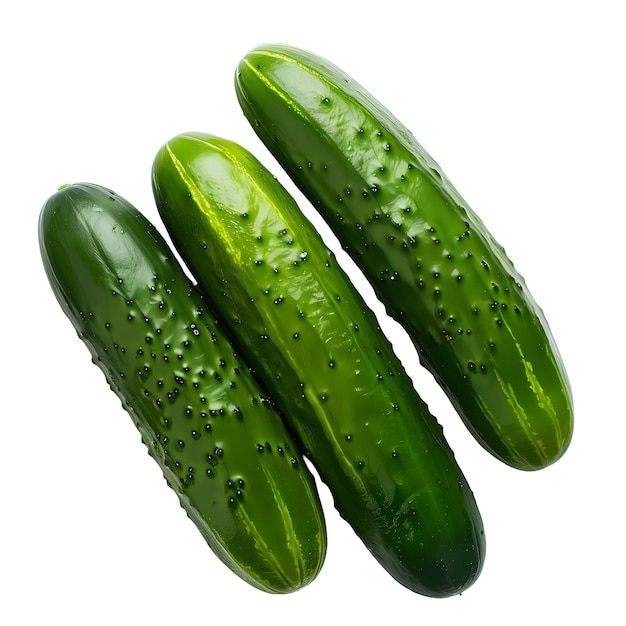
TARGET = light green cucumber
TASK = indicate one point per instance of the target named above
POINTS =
(311, 338)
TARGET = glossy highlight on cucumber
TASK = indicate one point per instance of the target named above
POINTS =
(429, 257)
(308, 334)
(222, 447)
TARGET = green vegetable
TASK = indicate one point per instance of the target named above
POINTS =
(430, 259)
(222, 448)
(310, 336)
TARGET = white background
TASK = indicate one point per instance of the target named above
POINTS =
(522, 104)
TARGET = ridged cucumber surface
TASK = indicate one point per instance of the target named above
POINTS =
(431, 260)
(309, 335)
(221, 446)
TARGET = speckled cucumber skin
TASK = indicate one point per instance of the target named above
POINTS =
(332, 373)
(222, 448)
(430, 259)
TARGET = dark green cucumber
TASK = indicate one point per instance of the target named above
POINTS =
(332, 373)
(222, 448)
(430, 259)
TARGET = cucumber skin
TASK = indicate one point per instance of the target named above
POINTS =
(200, 412)
(430, 259)
(325, 362)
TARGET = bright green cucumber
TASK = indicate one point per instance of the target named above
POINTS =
(309, 335)
(430, 259)
(222, 448)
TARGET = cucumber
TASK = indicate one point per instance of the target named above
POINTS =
(202, 415)
(331, 372)
(431, 260)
